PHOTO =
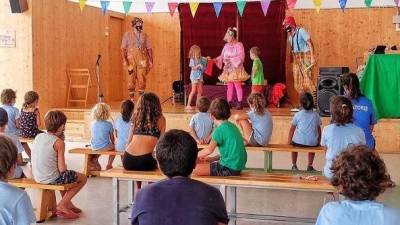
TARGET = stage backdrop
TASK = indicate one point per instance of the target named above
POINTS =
(255, 29)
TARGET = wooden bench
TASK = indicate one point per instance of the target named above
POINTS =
(26, 140)
(87, 152)
(46, 201)
(228, 187)
(269, 149)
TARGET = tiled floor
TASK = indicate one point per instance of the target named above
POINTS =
(96, 199)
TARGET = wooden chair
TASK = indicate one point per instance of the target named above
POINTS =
(79, 79)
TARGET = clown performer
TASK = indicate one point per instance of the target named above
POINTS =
(303, 56)
(137, 57)
(233, 73)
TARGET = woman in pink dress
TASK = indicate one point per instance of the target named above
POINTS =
(233, 73)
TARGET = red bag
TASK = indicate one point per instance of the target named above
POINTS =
(209, 67)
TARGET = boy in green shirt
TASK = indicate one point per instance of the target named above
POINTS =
(227, 137)
(257, 72)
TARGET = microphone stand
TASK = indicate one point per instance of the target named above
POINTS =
(100, 96)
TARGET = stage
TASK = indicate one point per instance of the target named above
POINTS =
(386, 132)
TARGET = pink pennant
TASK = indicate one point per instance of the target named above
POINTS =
(149, 6)
(172, 7)
(291, 4)
(265, 6)
(396, 2)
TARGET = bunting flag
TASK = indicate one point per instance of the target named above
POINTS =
(217, 8)
(172, 7)
(396, 2)
(368, 3)
(193, 8)
(104, 6)
(342, 4)
(291, 4)
(82, 4)
(317, 4)
(127, 6)
(265, 6)
(240, 6)
(149, 6)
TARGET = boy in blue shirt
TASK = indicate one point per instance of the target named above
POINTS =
(201, 124)
(360, 175)
(15, 205)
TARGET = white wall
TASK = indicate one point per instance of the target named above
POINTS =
(16, 63)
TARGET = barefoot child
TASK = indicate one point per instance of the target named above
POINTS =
(256, 125)
(201, 124)
(15, 205)
(305, 130)
(227, 138)
(359, 175)
(48, 163)
(196, 74)
(102, 135)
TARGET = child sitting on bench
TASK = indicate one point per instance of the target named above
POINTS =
(15, 205)
(228, 139)
(360, 176)
(201, 123)
(48, 163)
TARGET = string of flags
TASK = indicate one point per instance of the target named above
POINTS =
(240, 4)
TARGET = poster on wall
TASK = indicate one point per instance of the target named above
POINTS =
(7, 39)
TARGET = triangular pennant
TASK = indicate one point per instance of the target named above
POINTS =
(291, 4)
(193, 8)
(317, 4)
(217, 8)
(342, 4)
(240, 6)
(172, 7)
(82, 4)
(396, 2)
(368, 3)
(104, 6)
(127, 6)
(265, 6)
(149, 6)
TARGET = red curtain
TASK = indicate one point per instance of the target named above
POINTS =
(255, 29)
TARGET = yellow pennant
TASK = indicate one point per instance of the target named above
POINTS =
(317, 4)
(193, 8)
(82, 4)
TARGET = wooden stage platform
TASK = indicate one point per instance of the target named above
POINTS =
(387, 131)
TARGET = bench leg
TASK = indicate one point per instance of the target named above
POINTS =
(44, 202)
(268, 161)
(231, 207)
(222, 189)
(115, 201)
(86, 170)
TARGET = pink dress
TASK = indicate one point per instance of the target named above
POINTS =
(232, 57)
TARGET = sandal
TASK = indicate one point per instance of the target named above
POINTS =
(67, 215)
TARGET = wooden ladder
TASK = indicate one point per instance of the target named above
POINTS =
(78, 79)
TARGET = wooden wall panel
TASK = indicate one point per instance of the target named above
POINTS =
(339, 38)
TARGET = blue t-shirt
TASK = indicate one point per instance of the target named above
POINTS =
(202, 124)
(15, 206)
(13, 115)
(262, 126)
(299, 40)
(349, 212)
(179, 201)
(307, 123)
(195, 74)
(20, 148)
(122, 129)
(337, 139)
(364, 117)
(101, 131)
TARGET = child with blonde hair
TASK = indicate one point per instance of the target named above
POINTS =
(102, 135)
(196, 74)
(256, 125)
(30, 116)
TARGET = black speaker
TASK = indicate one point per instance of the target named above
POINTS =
(18, 6)
(328, 86)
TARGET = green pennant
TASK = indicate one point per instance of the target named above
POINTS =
(240, 6)
(127, 6)
(368, 3)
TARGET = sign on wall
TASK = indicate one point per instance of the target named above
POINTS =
(7, 39)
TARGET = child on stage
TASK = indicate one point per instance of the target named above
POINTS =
(257, 71)
(196, 74)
